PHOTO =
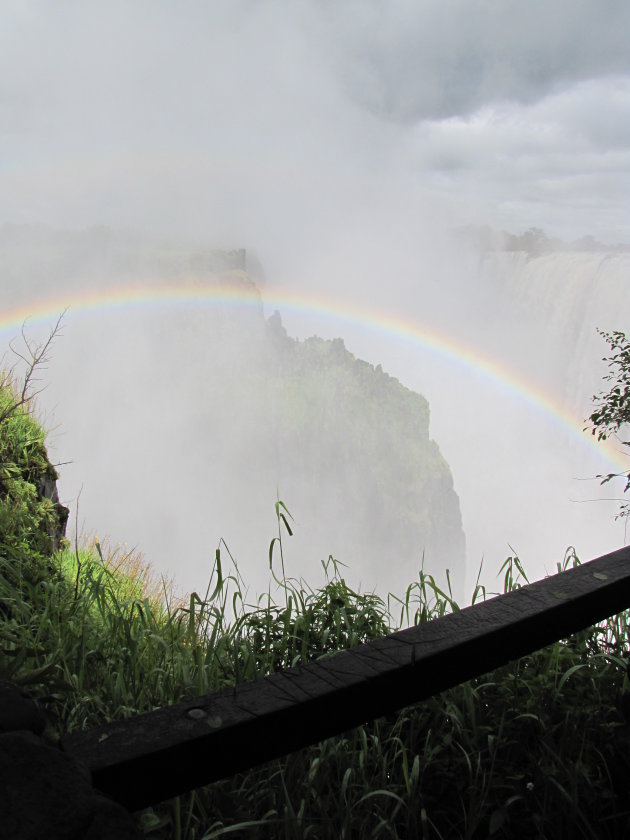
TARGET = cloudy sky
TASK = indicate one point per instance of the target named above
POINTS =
(258, 120)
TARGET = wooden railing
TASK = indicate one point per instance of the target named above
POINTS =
(154, 756)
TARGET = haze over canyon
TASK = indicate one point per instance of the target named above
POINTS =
(356, 152)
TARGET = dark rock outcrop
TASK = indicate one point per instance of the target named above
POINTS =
(43, 791)
(47, 489)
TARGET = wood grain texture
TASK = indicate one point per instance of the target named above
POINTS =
(158, 755)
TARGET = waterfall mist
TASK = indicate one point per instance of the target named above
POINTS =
(343, 147)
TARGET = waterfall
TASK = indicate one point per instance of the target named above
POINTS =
(562, 299)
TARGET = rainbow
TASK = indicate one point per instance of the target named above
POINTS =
(147, 296)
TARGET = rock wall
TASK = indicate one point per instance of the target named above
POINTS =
(44, 792)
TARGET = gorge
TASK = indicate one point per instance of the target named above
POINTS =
(178, 414)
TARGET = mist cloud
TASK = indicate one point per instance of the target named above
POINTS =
(340, 142)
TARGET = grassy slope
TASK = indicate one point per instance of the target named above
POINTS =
(536, 749)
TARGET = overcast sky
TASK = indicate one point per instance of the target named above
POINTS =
(256, 121)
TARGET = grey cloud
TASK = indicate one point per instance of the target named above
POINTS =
(284, 123)
(410, 61)
(555, 156)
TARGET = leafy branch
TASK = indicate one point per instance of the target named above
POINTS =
(35, 358)
(612, 410)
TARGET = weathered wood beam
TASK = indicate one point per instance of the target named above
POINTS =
(155, 756)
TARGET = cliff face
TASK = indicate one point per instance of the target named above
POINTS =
(353, 444)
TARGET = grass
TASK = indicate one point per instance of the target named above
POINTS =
(534, 749)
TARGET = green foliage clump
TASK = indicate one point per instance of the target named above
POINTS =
(613, 408)
(29, 519)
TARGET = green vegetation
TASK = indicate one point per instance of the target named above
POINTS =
(612, 412)
(31, 520)
(537, 749)
(25, 519)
